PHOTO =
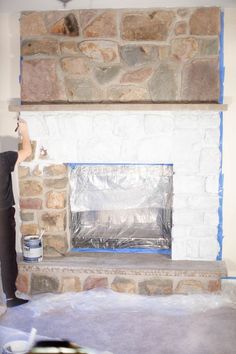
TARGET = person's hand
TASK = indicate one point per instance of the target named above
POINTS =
(23, 127)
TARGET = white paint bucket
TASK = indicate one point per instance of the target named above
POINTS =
(16, 347)
(32, 248)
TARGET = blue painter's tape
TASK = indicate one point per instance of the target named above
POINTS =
(122, 250)
(220, 193)
(74, 165)
(228, 278)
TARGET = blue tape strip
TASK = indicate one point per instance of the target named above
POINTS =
(122, 250)
(228, 278)
(73, 165)
(220, 193)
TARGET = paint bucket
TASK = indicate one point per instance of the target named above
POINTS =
(16, 347)
(32, 248)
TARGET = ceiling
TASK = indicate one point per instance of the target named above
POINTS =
(37, 5)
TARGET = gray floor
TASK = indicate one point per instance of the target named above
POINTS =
(130, 324)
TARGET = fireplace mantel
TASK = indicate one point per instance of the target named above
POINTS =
(18, 107)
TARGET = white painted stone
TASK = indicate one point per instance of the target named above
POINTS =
(212, 137)
(186, 164)
(178, 249)
(210, 161)
(187, 217)
(212, 184)
(211, 218)
(155, 150)
(204, 202)
(180, 231)
(189, 184)
(208, 249)
(186, 120)
(180, 201)
(203, 231)
(209, 120)
(103, 124)
(154, 124)
(129, 125)
(192, 249)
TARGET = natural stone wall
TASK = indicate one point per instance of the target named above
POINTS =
(161, 55)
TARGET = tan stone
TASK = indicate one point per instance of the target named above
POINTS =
(32, 24)
(184, 48)
(23, 283)
(123, 285)
(29, 229)
(57, 183)
(69, 48)
(42, 46)
(30, 188)
(214, 286)
(102, 26)
(190, 286)
(92, 282)
(66, 26)
(37, 171)
(53, 221)
(156, 287)
(86, 16)
(41, 283)
(55, 200)
(147, 25)
(181, 28)
(137, 76)
(23, 172)
(128, 94)
(40, 81)
(83, 90)
(183, 12)
(102, 51)
(55, 170)
(77, 66)
(70, 284)
(31, 203)
(26, 216)
(164, 52)
(205, 21)
(55, 245)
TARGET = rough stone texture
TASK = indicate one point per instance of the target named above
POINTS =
(30, 188)
(57, 183)
(26, 216)
(40, 81)
(31, 203)
(66, 26)
(181, 28)
(156, 287)
(136, 76)
(23, 172)
(37, 171)
(128, 94)
(86, 16)
(44, 284)
(209, 46)
(76, 66)
(53, 221)
(102, 51)
(69, 48)
(147, 25)
(92, 282)
(23, 282)
(184, 48)
(102, 26)
(200, 81)
(83, 91)
(138, 54)
(56, 200)
(42, 46)
(163, 85)
(32, 24)
(105, 75)
(29, 229)
(190, 286)
(55, 245)
(164, 52)
(205, 21)
(183, 12)
(123, 285)
(214, 286)
(70, 284)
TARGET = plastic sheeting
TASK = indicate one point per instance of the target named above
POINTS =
(121, 206)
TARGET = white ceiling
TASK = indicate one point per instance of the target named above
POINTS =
(37, 5)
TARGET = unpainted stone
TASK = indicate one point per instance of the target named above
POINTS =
(163, 85)
(32, 24)
(23, 283)
(66, 26)
(209, 46)
(86, 16)
(33, 148)
(137, 76)
(138, 54)
(102, 26)
(200, 81)
(40, 81)
(123, 285)
(83, 91)
(156, 287)
(102, 51)
(184, 48)
(181, 28)
(182, 12)
(105, 75)
(55, 170)
(205, 21)
(164, 52)
(190, 286)
(55, 245)
(56, 200)
(37, 171)
(77, 66)
(92, 282)
(69, 47)
(70, 284)
(26, 216)
(53, 221)
(57, 183)
(31, 203)
(44, 284)
(214, 286)
(147, 25)
(30, 188)
(40, 46)
(23, 172)
(128, 94)
(29, 229)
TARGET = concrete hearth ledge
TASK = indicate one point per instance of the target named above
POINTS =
(147, 274)
(149, 106)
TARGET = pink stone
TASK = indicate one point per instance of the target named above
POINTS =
(184, 48)
(205, 21)
(137, 76)
(86, 16)
(92, 282)
(104, 51)
(30, 203)
(77, 66)
(30, 188)
(103, 26)
(32, 24)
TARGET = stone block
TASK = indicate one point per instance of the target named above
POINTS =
(75, 66)
(146, 25)
(209, 120)
(203, 231)
(180, 231)
(210, 161)
(44, 284)
(83, 91)
(56, 183)
(209, 248)
(136, 76)
(212, 184)
(156, 287)
(138, 54)
(66, 26)
(212, 137)
(106, 75)
(156, 149)
(123, 285)
(184, 48)
(30, 188)
(205, 21)
(100, 51)
(40, 46)
(92, 282)
(55, 200)
(128, 94)
(183, 12)
(70, 284)
(32, 24)
(178, 249)
(187, 217)
(188, 185)
(55, 245)
(204, 202)
(181, 27)
(154, 124)
(69, 47)
(86, 16)
(190, 286)
(29, 229)
(180, 201)
(214, 286)
(211, 218)
(126, 125)
(53, 221)
(31, 203)
(209, 46)
(102, 26)
(192, 249)
(23, 282)
(164, 52)
(37, 171)
(23, 172)
(26, 216)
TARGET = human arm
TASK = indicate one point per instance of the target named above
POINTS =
(26, 149)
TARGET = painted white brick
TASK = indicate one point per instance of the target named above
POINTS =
(192, 249)
(212, 137)
(211, 218)
(209, 249)
(187, 217)
(180, 201)
(155, 124)
(180, 231)
(178, 249)
(189, 184)
(155, 150)
(210, 161)
(203, 231)
(186, 120)
(209, 119)
(205, 202)
(188, 165)
(36, 125)
(128, 126)
(188, 139)
(103, 125)
(212, 184)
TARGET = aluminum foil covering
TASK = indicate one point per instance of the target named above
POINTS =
(121, 206)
